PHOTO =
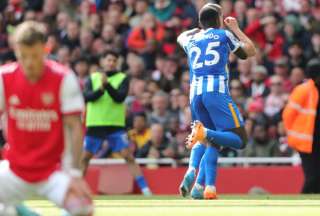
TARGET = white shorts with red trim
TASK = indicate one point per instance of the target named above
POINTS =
(14, 190)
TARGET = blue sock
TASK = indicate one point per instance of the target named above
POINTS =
(211, 159)
(196, 154)
(202, 172)
(141, 182)
(224, 138)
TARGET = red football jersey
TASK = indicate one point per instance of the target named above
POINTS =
(34, 117)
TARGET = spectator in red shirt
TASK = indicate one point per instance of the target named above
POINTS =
(266, 35)
(143, 39)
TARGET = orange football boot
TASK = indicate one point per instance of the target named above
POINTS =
(210, 192)
(197, 134)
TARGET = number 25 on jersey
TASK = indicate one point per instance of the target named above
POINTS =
(212, 57)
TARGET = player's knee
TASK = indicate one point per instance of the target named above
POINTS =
(243, 138)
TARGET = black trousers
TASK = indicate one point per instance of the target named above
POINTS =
(311, 170)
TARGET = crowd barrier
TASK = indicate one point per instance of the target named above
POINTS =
(235, 175)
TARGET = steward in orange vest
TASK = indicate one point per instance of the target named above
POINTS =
(301, 118)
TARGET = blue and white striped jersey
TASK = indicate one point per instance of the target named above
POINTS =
(208, 53)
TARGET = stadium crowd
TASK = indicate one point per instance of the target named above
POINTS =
(286, 33)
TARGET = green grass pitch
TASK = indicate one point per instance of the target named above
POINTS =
(226, 205)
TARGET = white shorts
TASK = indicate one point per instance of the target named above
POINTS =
(14, 190)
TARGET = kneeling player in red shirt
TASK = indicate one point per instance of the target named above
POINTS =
(42, 102)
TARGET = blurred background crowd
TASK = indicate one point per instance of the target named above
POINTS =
(144, 32)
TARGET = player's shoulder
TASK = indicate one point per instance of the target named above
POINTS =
(57, 68)
(9, 68)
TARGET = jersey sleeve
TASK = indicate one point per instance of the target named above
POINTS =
(71, 97)
(183, 40)
(232, 41)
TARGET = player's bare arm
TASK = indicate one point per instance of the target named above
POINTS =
(248, 46)
(74, 137)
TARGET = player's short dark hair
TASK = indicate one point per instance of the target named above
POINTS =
(209, 16)
(110, 52)
(313, 68)
(30, 33)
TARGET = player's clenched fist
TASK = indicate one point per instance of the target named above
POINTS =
(231, 23)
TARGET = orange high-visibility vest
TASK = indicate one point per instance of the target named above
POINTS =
(299, 116)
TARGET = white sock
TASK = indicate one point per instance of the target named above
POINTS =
(146, 191)
(198, 186)
(212, 187)
(191, 169)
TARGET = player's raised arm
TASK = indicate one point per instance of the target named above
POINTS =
(247, 49)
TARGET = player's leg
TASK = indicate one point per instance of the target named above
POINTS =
(208, 164)
(91, 146)
(235, 138)
(68, 193)
(13, 191)
(194, 161)
(225, 115)
(211, 162)
(118, 142)
(198, 187)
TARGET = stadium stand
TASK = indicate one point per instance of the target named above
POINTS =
(144, 33)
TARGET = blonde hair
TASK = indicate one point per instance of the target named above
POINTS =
(29, 33)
